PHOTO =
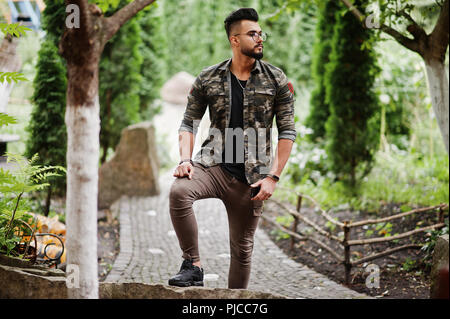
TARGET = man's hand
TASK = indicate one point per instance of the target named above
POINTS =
(184, 169)
(267, 188)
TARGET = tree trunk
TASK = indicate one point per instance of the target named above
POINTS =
(104, 142)
(82, 48)
(82, 120)
(83, 129)
(48, 201)
(438, 88)
(432, 48)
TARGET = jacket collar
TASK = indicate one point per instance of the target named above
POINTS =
(226, 66)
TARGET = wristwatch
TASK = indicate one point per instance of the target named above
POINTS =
(274, 177)
(186, 160)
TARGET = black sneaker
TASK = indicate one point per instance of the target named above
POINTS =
(189, 275)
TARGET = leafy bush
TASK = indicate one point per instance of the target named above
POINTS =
(430, 243)
(14, 184)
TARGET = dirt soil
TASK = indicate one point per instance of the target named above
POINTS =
(403, 275)
(108, 244)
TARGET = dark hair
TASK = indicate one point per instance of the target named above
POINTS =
(238, 15)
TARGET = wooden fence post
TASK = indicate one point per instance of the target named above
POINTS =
(441, 215)
(347, 262)
(295, 224)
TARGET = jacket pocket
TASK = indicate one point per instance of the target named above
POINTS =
(263, 102)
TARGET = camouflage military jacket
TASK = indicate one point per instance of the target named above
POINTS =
(267, 94)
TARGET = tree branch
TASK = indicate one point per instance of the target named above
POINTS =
(361, 17)
(440, 34)
(114, 22)
(416, 30)
(408, 43)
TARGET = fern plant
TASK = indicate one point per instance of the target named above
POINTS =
(27, 177)
(11, 76)
(5, 119)
(11, 29)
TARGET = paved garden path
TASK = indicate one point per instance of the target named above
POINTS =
(149, 251)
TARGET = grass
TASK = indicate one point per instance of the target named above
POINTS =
(418, 176)
(405, 179)
(408, 179)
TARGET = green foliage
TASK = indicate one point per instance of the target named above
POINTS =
(409, 264)
(430, 242)
(120, 83)
(285, 221)
(53, 19)
(17, 30)
(279, 234)
(319, 109)
(13, 29)
(198, 38)
(46, 128)
(154, 54)
(399, 86)
(11, 76)
(351, 132)
(331, 226)
(5, 119)
(409, 179)
(294, 58)
(27, 177)
(106, 5)
(384, 229)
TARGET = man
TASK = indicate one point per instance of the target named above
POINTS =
(244, 94)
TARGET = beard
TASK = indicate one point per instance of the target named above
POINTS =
(252, 53)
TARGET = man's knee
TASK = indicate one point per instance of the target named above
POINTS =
(179, 193)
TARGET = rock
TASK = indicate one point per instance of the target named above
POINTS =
(132, 290)
(14, 261)
(133, 170)
(21, 283)
(30, 283)
(177, 88)
(439, 268)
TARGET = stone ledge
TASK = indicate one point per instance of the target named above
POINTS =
(439, 263)
(134, 290)
(21, 283)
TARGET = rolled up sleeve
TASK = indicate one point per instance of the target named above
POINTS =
(284, 110)
(195, 108)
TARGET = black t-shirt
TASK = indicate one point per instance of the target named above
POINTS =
(236, 121)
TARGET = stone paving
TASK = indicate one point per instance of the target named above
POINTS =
(149, 250)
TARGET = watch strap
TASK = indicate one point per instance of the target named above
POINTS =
(274, 177)
(186, 160)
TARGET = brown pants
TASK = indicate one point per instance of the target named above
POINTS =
(243, 216)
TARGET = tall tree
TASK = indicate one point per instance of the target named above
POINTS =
(431, 46)
(82, 46)
(120, 83)
(154, 53)
(351, 132)
(319, 109)
(46, 128)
